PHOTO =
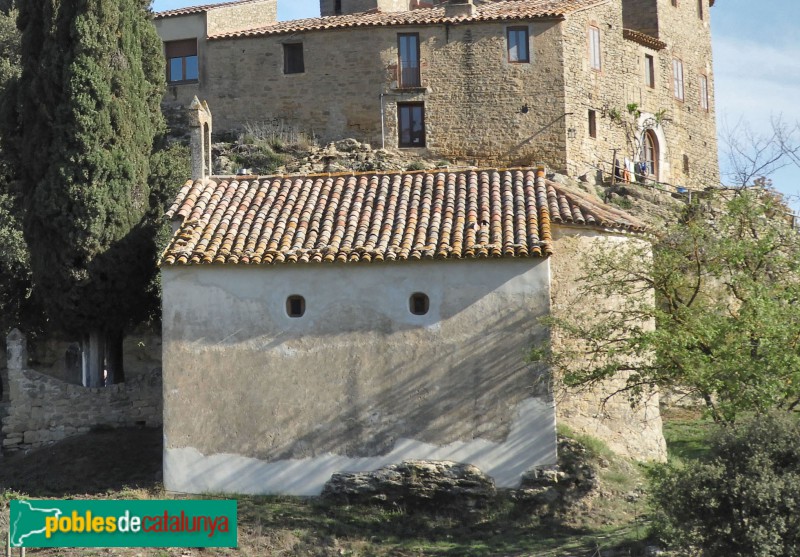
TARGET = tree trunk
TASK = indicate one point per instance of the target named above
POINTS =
(114, 365)
(93, 359)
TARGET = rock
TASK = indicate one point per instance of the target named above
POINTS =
(415, 484)
(560, 179)
(348, 145)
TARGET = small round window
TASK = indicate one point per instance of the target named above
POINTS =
(295, 306)
(419, 303)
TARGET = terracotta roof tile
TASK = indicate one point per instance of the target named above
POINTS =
(492, 11)
(378, 217)
(188, 10)
(644, 39)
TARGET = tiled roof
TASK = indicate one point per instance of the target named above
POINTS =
(377, 217)
(644, 39)
(492, 11)
(188, 10)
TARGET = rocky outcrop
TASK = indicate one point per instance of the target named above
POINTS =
(545, 492)
(415, 484)
(261, 157)
(452, 487)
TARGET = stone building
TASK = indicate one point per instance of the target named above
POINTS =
(508, 82)
(314, 324)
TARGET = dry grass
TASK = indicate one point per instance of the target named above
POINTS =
(126, 464)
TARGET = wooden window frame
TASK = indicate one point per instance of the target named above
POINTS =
(402, 106)
(414, 78)
(595, 48)
(650, 137)
(704, 96)
(183, 50)
(650, 71)
(290, 65)
(678, 81)
(519, 29)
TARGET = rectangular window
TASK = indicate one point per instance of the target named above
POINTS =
(700, 8)
(677, 78)
(594, 48)
(293, 61)
(675, 3)
(686, 164)
(408, 60)
(182, 64)
(649, 71)
(518, 45)
(411, 124)
(592, 124)
(337, 7)
(704, 92)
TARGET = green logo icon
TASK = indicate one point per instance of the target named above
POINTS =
(38, 523)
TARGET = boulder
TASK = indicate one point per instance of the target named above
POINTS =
(415, 484)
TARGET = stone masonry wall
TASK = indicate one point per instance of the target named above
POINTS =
(687, 138)
(225, 19)
(478, 106)
(631, 431)
(327, 7)
(42, 409)
(641, 15)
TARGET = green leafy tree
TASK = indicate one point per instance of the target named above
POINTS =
(15, 275)
(742, 500)
(86, 115)
(722, 288)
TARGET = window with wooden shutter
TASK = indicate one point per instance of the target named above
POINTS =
(182, 62)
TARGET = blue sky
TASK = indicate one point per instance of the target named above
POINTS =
(756, 64)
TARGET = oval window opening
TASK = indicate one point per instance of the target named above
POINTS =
(419, 304)
(295, 306)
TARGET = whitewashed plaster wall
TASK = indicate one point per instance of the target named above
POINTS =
(258, 402)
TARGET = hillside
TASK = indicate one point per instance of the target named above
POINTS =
(255, 152)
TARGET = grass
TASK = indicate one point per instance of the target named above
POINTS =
(686, 433)
(126, 464)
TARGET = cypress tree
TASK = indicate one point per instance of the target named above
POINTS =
(87, 115)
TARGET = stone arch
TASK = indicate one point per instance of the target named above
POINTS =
(652, 130)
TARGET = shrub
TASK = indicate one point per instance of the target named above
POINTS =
(742, 500)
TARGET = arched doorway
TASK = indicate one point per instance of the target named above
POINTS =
(650, 153)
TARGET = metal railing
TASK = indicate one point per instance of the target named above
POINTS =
(408, 75)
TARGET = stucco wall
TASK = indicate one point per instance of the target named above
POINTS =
(192, 26)
(632, 431)
(257, 402)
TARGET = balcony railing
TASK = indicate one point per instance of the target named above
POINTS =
(408, 76)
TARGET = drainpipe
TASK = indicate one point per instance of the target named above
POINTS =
(383, 126)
